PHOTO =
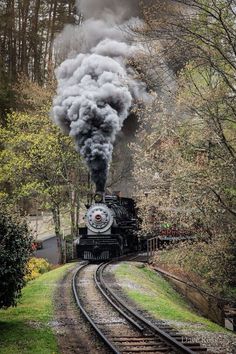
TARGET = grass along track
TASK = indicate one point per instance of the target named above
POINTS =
(158, 297)
(153, 295)
(27, 329)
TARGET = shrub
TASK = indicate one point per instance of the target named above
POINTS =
(214, 261)
(15, 250)
(36, 267)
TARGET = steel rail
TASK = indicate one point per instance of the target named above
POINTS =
(111, 296)
(93, 324)
(134, 318)
(129, 319)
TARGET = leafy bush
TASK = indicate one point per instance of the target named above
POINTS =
(36, 267)
(15, 250)
(213, 261)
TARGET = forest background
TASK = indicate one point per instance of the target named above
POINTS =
(183, 152)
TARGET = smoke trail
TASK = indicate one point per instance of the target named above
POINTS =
(119, 11)
(96, 88)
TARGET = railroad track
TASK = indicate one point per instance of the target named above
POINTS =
(121, 328)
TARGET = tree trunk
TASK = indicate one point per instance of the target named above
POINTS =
(57, 225)
(24, 58)
(74, 214)
(77, 216)
(35, 44)
(10, 31)
(50, 55)
(47, 42)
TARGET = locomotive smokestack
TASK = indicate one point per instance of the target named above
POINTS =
(96, 88)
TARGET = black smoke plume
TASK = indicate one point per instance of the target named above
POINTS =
(96, 87)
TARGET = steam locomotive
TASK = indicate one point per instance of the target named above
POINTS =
(111, 228)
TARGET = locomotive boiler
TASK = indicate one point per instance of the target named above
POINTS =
(111, 228)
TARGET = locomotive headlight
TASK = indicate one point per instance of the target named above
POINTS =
(98, 198)
(99, 218)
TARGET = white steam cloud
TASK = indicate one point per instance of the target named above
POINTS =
(96, 88)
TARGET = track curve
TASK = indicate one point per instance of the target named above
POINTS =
(121, 328)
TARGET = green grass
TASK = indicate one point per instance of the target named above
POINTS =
(26, 329)
(156, 295)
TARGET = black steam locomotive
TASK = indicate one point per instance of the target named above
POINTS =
(111, 228)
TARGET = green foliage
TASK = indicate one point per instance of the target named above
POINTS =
(36, 267)
(37, 159)
(15, 249)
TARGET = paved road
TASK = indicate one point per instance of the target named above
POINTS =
(49, 251)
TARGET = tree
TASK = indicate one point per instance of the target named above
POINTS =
(38, 161)
(185, 162)
(15, 250)
(28, 29)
